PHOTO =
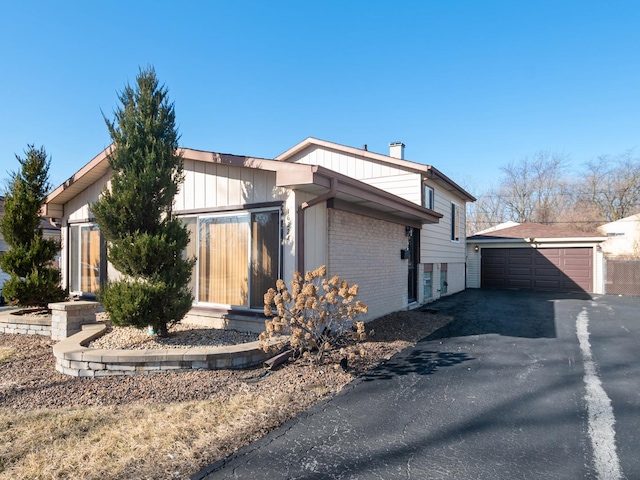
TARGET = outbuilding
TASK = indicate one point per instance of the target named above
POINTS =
(535, 257)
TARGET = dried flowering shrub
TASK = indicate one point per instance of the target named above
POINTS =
(316, 316)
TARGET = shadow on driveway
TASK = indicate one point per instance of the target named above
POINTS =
(513, 313)
(420, 362)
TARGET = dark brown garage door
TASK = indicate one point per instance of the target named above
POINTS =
(558, 269)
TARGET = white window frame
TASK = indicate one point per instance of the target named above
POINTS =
(232, 213)
(456, 222)
(76, 289)
(429, 198)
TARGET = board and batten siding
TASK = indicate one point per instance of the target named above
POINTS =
(210, 185)
(392, 179)
(206, 185)
(78, 208)
(315, 232)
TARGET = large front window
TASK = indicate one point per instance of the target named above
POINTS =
(85, 247)
(238, 257)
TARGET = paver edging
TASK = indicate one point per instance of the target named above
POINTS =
(14, 322)
(74, 358)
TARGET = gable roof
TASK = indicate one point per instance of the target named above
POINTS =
(309, 178)
(630, 218)
(428, 171)
(535, 231)
(500, 226)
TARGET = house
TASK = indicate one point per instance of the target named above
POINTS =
(537, 257)
(621, 250)
(623, 238)
(392, 226)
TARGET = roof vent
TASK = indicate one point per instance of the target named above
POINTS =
(396, 150)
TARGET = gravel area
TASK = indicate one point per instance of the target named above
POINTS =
(181, 335)
(28, 378)
(164, 425)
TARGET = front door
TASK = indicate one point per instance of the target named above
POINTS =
(414, 260)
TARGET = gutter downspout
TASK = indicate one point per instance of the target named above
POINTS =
(333, 190)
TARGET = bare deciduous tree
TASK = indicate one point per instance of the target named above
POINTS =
(611, 186)
(538, 188)
(486, 212)
(531, 188)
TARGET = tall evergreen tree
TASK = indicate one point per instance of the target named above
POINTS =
(145, 242)
(33, 280)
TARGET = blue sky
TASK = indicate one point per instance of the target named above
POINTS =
(468, 86)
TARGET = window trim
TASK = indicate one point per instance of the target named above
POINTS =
(102, 268)
(200, 214)
(426, 197)
(455, 223)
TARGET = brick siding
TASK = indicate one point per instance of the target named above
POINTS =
(366, 251)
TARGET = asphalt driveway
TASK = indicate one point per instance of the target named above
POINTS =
(520, 385)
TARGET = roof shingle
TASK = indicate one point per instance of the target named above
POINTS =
(534, 230)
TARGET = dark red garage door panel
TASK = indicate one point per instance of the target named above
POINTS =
(558, 269)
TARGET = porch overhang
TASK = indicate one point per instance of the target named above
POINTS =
(356, 196)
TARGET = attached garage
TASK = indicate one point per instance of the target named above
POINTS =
(535, 257)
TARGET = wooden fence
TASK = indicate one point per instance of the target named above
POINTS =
(623, 277)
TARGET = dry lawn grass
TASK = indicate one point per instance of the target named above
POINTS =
(6, 353)
(131, 441)
(174, 440)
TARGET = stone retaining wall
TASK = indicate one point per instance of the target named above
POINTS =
(73, 358)
(67, 318)
(25, 325)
